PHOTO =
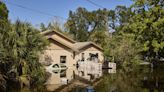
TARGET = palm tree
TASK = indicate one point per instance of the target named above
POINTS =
(19, 51)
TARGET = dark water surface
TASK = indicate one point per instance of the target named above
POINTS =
(138, 79)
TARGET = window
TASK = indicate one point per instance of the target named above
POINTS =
(63, 73)
(93, 57)
(62, 59)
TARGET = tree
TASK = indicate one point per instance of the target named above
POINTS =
(3, 25)
(83, 23)
(124, 50)
(122, 14)
(29, 43)
(43, 27)
(78, 25)
(99, 37)
(3, 11)
(20, 48)
(55, 25)
(112, 19)
(147, 25)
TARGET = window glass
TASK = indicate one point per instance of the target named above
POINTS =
(62, 59)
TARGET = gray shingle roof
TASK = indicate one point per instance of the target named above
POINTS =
(80, 45)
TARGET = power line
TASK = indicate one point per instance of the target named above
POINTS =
(34, 10)
(95, 4)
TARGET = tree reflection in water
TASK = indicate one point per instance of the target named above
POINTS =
(139, 79)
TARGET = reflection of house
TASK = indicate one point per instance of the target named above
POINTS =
(72, 75)
(67, 51)
(59, 78)
(89, 70)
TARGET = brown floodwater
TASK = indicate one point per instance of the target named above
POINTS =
(140, 78)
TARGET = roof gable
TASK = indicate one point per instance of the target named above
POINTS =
(52, 32)
(63, 44)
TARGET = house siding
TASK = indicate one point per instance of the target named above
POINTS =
(90, 49)
(55, 50)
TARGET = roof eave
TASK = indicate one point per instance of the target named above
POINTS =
(92, 44)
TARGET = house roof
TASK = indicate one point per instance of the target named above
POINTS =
(81, 45)
(59, 33)
(76, 46)
(74, 49)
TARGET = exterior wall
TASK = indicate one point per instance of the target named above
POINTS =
(55, 56)
(54, 79)
(90, 49)
(55, 50)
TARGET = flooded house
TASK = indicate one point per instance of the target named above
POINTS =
(63, 52)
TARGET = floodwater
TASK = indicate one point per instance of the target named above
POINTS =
(140, 78)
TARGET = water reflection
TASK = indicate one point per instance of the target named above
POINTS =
(89, 70)
(84, 75)
(139, 79)
(57, 79)
(85, 79)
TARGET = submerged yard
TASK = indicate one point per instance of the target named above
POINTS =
(140, 79)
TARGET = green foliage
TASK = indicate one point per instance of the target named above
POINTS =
(124, 50)
(43, 27)
(20, 48)
(112, 19)
(83, 23)
(147, 25)
(3, 11)
(28, 42)
(55, 26)
(141, 26)
(99, 37)
(78, 24)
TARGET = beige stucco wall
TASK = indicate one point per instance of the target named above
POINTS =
(54, 79)
(55, 50)
(90, 49)
(55, 55)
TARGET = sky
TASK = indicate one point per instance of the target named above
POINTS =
(27, 10)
